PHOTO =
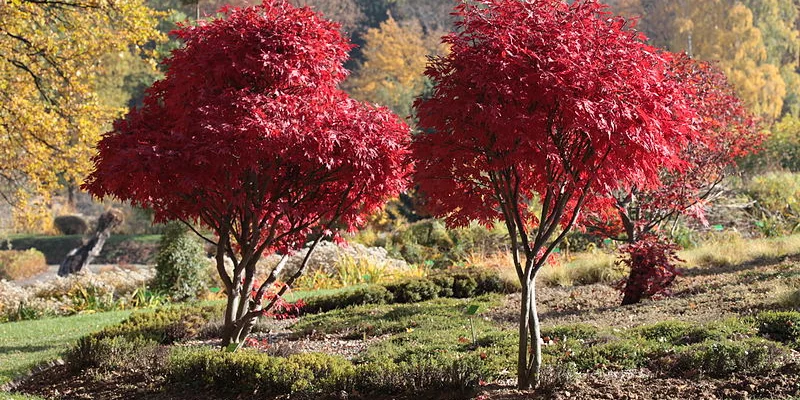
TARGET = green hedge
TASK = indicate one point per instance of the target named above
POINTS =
(134, 249)
(247, 372)
(164, 325)
(462, 283)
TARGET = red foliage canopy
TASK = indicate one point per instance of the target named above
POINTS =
(249, 134)
(249, 125)
(727, 131)
(545, 100)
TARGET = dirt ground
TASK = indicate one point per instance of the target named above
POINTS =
(700, 295)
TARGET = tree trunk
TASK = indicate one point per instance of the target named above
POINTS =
(82, 256)
(536, 334)
(72, 196)
(229, 334)
(523, 375)
(529, 362)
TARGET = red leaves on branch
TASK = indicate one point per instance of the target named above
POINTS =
(249, 134)
(556, 101)
(653, 266)
(249, 123)
(727, 132)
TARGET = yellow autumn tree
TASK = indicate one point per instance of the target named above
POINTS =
(51, 51)
(779, 22)
(394, 60)
(725, 32)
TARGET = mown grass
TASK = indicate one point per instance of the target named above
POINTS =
(27, 343)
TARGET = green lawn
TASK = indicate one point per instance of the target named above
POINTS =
(27, 343)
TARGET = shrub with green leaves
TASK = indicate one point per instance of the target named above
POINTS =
(180, 264)
(211, 369)
(315, 373)
(781, 326)
(615, 355)
(722, 358)
(575, 331)
(430, 242)
(164, 325)
(372, 294)
(117, 353)
(21, 264)
(442, 371)
(781, 149)
(458, 283)
(682, 333)
(777, 196)
(413, 290)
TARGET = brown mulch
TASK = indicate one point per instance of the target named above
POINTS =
(59, 383)
(643, 385)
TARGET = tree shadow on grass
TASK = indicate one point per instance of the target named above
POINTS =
(23, 349)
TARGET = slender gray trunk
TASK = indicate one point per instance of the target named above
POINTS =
(536, 334)
(529, 361)
(523, 375)
(229, 335)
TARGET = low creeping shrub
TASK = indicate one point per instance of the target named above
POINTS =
(211, 369)
(373, 294)
(316, 373)
(720, 359)
(781, 326)
(117, 354)
(413, 290)
(164, 325)
(457, 283)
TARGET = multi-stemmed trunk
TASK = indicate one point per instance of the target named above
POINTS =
(529, 361)
(246, 301)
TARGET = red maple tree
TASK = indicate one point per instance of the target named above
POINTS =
(548, 102)
(726, 132)
(249, 135)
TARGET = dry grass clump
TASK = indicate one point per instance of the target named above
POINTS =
(582, 269)
(732, 249)
(21, 264)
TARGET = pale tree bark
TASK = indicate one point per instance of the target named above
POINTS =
(80, 257)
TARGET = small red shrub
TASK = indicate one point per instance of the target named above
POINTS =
(652, 261)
